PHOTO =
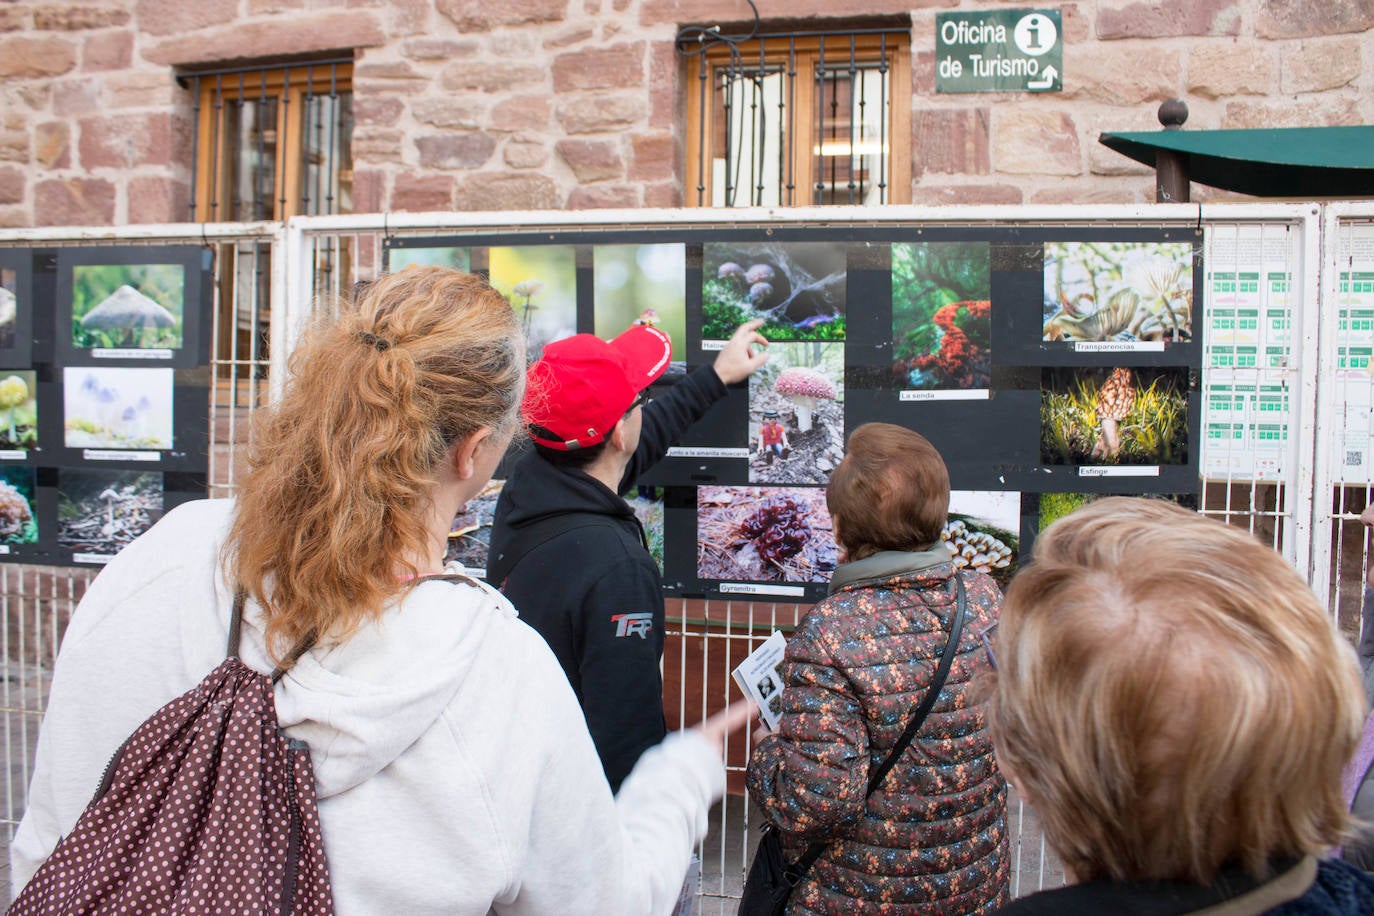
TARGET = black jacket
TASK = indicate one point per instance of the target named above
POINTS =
(593, 591)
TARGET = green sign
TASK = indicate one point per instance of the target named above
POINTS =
(999, 51)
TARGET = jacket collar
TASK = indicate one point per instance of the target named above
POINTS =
(887, 565)
(1233, 893)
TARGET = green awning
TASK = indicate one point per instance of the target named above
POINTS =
(1272, 162)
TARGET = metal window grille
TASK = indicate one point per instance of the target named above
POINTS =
(797, 118)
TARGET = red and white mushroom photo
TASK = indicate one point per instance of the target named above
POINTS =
(796, 414)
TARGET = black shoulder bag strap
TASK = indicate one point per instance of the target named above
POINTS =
(795, 872)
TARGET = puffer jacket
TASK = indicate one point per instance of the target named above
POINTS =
(932, 839)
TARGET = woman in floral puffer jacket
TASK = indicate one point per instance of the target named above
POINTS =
(932, 839)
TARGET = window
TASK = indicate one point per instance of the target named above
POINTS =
(798, 118)
(272, 141)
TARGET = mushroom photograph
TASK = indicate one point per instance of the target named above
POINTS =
(642, 284)
(647, 503)
(1118, 292)
(400, 258)
(100, 512)
(9, 307)
(941, 315)
(127, 306)
(469, 537)
(541, 283)
(764, 534)
(798, 288)
(1054, 506)
(18, 410)
(984, 532)
(18, 522)
(1120, 416)
(796, 414)
(117, 408)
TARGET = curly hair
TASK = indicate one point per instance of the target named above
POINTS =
(341, 469)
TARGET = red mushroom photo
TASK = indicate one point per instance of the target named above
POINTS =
(796, 414)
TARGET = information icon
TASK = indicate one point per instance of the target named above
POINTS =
(1035, 34)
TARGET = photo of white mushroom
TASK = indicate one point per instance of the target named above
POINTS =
(984, 532)
(117, 408)
(9, 306)
(541, 283)
(100, 512)
(642, 284)
(796, 413)
(397, 259)
(1118, 292)
(18, 521)
(128, 306)
(764, 534)
(18, 410)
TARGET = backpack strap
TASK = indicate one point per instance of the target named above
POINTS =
(546, 529)
(236, 635)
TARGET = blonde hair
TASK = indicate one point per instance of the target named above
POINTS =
(1172, 697)
(342, 468)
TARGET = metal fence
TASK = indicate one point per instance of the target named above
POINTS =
(1295, 363)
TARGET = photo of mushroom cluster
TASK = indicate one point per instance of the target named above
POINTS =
(18, 520)
(100, 512)
(983, 533)
(18, 411)
(941, 315)
(797, 288)
(796, 414)
(128, 306)
(764, 534)
(117, 408)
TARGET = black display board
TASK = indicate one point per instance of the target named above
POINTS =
(1054, 362)
(103, 426)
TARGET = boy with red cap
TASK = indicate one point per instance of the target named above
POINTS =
(568, 551)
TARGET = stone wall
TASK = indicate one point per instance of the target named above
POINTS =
(501, 104)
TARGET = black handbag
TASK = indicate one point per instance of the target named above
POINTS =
(771, 877)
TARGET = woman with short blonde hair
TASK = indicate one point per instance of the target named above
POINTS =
(1178, 707)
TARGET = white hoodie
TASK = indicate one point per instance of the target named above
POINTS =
(453, 766)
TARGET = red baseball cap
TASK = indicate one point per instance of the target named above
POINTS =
(582, 385)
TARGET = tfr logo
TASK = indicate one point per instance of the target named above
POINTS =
(640, 625)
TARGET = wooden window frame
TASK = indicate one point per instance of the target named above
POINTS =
(289, 86)
(838, 48)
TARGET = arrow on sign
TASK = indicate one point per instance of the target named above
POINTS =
(1046, 79)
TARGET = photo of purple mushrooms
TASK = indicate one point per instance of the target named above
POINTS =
(797, 288)
(117, 408)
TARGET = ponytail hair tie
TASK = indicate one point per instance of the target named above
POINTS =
(372, 340)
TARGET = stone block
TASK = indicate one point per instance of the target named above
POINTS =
(1320, 64)
(1218, 70)
(422, 193)
(525, 154)
(144, 89)
(657, 12)
(173, 17)
(1288, 19)
(369, 188)
(52, 145)
(455, 151)
(592, 160)
(1028, 141)
(75, 97)
(378, 145)
(655, 157)
(157, 199)
(603, 197)
(327, 30)
(13, 18)
(127, 141)
(22, 56)
(1120, 192)
(1170, 19)
(666, 195)
(586, 114)
(408, 17)
(616, 67)
(951, 141)
(14, 218)
(377, 110)
(449, 111)
(78, 18)
(667, 100)
(490, 76)
(36, 94)
(438, 49)
(1124, 76)
(1075, 24)
(965, 194)
(259, 7)
(522, 112)
(1331, 112)
(12, 184)
(108, 51)
(14, 146)
(506, 191)
(483, 16)
(74, 202)
(573, 36)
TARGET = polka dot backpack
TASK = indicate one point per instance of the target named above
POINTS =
(207, 808)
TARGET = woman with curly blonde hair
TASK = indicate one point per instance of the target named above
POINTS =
(454, 770)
